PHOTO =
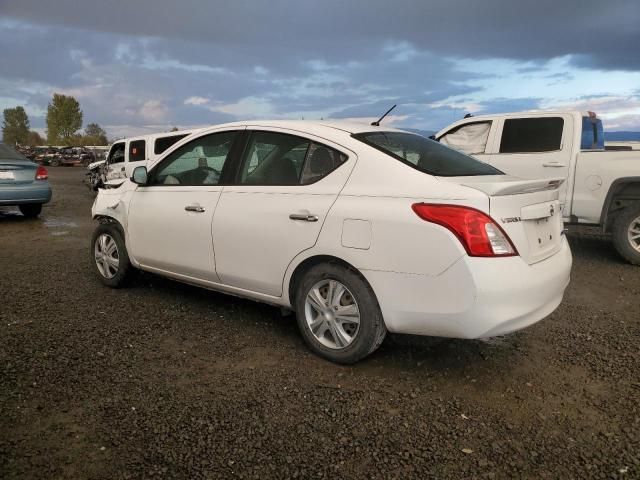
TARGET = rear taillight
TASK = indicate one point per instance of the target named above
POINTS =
(478, 233)
(41, 173)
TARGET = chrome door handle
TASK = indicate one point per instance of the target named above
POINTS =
(553, 165)
(194, 208)
(304, 217)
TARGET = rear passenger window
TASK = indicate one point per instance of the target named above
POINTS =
(137, 151)
(273, 158)
(524, 135)
(163, 143)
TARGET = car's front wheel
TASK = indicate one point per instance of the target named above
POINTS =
(338, 314)
(109, 256)
(31, 210)
(626, 234)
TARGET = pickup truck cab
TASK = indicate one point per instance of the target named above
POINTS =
(602, 187)
(127, 154)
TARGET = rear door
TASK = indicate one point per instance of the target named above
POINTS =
(534, 147)
(285, 186)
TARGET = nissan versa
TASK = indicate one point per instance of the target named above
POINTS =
(359, 229)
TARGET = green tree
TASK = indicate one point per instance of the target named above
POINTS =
(64, 119)
(15, 128)
(34, 139)
(95, 135)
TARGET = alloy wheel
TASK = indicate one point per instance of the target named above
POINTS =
(332, 314)
(106, 255)
(633, 233)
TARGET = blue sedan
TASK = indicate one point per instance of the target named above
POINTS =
(23, 183)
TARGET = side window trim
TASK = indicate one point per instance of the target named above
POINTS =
(229, 162)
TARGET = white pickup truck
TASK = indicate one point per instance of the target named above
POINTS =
(601, 187)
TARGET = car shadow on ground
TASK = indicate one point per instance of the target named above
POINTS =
(593, 246)
(398, 352)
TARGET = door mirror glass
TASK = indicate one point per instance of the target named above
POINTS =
(139, 175)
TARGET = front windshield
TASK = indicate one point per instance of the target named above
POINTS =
(426, 155)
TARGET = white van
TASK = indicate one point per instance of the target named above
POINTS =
(127, 154)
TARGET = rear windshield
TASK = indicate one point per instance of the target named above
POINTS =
(426, 155)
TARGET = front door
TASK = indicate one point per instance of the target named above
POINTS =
(284, 189)
(170, 218)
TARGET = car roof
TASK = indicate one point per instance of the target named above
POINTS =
(310, 126)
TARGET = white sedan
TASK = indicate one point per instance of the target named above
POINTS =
(358, 229)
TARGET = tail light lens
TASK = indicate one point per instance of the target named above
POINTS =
(41, 173)
(478, 233)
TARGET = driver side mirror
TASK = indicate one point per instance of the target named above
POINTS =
(139, 176)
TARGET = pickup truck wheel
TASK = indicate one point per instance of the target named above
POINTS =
(338, 314)
(109, 256)
(626, 234)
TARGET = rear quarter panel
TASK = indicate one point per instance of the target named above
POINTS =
(596, 171)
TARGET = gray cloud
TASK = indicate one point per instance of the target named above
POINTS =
(137, 63)
(604, 33)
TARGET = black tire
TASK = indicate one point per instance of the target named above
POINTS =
(371, 331)
(621, 227)
(31, 210)
(125, 271)
(55, 163)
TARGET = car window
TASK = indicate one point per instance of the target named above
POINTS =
(468, 138)
(199, 162)
(163, 143)
(321, 160)
(274, 158)
(425, 155)
(529, 135)
(137, 151)
(116, 154)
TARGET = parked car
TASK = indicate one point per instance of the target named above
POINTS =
(601, 188)
(129, 153)
(358, 229)
(23, 183)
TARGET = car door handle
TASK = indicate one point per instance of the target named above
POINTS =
(194, 208)
(304, 217)
(553, 165)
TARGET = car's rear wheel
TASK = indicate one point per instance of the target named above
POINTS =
(109, 256)
(31, 210)
(338, 314)
(626, 234)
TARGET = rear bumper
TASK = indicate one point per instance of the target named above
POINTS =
(36, 192)
(475, 297)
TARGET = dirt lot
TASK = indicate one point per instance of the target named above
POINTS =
(168, 380)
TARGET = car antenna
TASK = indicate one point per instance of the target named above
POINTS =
(377, 122)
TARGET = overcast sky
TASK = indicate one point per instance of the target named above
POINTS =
(143, 66)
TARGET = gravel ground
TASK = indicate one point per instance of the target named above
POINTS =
(172, 381)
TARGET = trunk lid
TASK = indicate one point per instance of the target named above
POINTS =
(17, 172)
(527, 210)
